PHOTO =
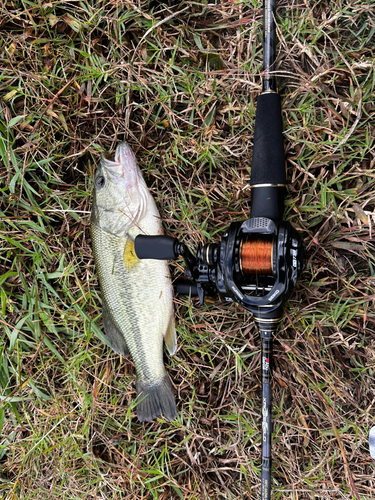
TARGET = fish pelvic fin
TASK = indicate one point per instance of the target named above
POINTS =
(114, 336)
(170, 338)
(130, 257)
(155, 398)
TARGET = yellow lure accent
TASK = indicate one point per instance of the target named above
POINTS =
(130, 257)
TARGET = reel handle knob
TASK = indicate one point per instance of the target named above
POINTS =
(156, 247)
(185, 287)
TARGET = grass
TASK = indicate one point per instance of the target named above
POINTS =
(179, 81)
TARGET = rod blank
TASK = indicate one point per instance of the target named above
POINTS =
(269, 45)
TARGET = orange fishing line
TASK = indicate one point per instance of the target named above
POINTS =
(256, 257)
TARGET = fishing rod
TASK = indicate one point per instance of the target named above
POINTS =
(257, 261)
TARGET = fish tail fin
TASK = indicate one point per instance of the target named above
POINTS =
(154, 399)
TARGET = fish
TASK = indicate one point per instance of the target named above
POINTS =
(137, 295)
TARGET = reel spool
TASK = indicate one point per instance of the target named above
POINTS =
(256, 256)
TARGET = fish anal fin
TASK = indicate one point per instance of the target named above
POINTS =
(130, 257)
(170, 337)
(114, 336)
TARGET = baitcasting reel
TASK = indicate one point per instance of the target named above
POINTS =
(256, 264)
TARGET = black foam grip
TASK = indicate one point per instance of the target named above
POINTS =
(155, 247)
(268, 165)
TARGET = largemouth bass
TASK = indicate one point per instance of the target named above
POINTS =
(137, 294)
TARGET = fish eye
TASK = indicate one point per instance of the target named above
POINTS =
(100, 181)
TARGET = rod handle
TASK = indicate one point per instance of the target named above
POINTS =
(268, 164)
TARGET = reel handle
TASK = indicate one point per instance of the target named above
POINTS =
(168, 248)
(165, 248)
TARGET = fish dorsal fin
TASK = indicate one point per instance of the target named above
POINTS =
(115, 338)
(170, 338)
(130, 257)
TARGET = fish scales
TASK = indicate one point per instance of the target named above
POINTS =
(137, 294)
(132, 298)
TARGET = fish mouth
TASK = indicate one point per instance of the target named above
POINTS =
(123, 164)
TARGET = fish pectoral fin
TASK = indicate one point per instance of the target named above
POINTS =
(170, 337)
(130, 257)
(114, 336)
